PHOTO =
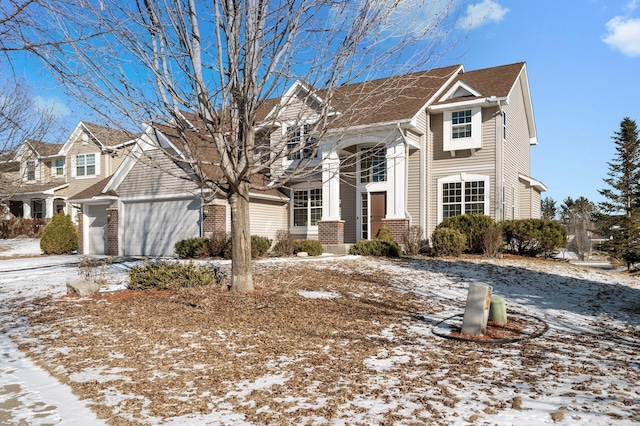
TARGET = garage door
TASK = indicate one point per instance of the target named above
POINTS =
(97, 227)
(152, 228)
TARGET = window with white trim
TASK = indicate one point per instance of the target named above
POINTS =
(461, 124)
(468, 195)
(307, 207)
(299, 142)
(86, 165)
(373, 165)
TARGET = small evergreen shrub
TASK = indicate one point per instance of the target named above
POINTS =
(533, 237)
(471, 226)
(312, 247)
(284, 243)
(384, 234)
(447, 242)
(259, 247)
(168, 276)
(492, 241)
(192, 248)
(376, 248)
(59, 236)
(217, 242)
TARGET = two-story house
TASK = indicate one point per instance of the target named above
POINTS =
(395, 152)
(47, 174)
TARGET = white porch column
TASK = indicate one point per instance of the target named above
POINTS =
(396, 167)
(330, 186)
(48, 208)
(26, 209)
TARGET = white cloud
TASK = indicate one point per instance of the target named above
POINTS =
(479, 14)
(631, 6)
(53, 106)
(624, 35)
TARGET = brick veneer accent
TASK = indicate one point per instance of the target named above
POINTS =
(331, 231)
(112, 231)
(214, 218)
(397, 227)
(80, 235)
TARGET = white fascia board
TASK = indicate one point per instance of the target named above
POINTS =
(73, 137)
(103, 147)
(177, 196)
(528, 105)
(100, 199)
(460, 84)
(437, 94)
(473, 102)
(533, 182)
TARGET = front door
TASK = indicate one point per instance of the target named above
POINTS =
(378, 211)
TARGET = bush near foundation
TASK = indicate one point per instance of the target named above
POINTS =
(447, 242)
(534, 237)
(192, 248)
(59, 236)
(259, 247)
(312, 247)
(169, 276)
(472, 226)
(382, 245)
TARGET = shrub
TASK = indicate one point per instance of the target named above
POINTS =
(376, 248)
(59, 236)
(532, 237)
(412, 240)
(471, 226)
(192, 248)
(492, 241)
(312, 247)
(94, 270)
(168, 276)
(217, 242)
(284, 243)
(384, 234)
(447, 242)
(259, 247)
(18, 226)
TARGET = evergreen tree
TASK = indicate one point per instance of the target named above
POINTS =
(548, 208)
(622, 205)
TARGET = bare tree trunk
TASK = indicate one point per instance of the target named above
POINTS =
(241, 276)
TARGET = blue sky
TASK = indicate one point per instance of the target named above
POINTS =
(583, 60)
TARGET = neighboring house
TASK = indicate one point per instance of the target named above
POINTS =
(399, 151)
(155, 200)
(50, 173)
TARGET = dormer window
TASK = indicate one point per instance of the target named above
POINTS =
(299, 142)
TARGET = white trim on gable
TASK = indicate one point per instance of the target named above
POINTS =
(460, 89)
(523, 77)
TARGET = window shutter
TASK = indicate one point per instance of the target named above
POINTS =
(73, 166)
(98, 155)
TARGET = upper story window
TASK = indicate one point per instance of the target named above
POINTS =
(58, 167)
(86, 165)
(461, 124)
(31, 170)
(462, 129)
(300, 142)
(307, 207)
(373, 165)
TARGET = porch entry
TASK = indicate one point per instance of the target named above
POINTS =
(374, 210)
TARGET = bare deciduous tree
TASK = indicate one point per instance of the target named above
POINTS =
(220, 65)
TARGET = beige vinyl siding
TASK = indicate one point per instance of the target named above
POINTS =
(517, 148)
(348, 202)
(481, 163)
(268, 217)
(529, 201)
(413, 188)
(155, 174)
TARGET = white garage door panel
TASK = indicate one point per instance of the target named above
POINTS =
(153, 228)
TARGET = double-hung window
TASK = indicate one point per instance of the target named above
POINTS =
(58, 167)
(307, 207)
(31, 170)
(86, 165)
(299, 142)
(373, 165)
(468, 197)
(461, 124)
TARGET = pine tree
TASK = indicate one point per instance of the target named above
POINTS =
(548, 208)
(622, 205)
